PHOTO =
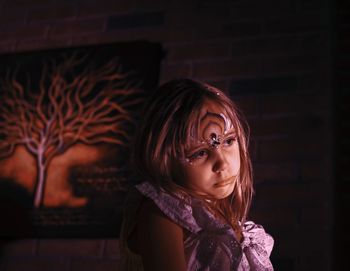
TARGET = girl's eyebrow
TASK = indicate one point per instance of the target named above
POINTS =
(232, 131)
(193, 147)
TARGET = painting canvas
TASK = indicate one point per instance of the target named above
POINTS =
(67, 118)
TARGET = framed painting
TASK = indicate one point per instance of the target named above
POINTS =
(67, 117)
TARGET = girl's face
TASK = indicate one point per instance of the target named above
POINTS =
(212, 160)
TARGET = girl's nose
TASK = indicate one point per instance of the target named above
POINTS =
(220, 163)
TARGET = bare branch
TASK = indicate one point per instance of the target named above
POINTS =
(90, 107)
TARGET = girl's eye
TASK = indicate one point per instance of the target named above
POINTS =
(229, 141)
(198, 155)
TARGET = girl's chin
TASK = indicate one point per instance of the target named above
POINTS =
(223, 192)
(216, 192)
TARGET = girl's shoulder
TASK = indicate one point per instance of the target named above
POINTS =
(153, 223)
(171, 205)
(159, 239)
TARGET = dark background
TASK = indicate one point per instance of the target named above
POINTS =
(286, 64)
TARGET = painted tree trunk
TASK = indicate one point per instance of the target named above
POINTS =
(39, 191)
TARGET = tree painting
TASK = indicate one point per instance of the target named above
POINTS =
(63, 110)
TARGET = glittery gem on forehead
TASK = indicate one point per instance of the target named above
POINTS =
(212, 129)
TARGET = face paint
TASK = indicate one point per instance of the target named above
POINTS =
(212, 162)
(214, 131)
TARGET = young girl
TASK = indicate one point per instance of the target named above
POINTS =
(189, 212)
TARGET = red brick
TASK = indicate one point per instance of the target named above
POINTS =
(343, 32)
(295, 243)
(292, 195)
(276, 172)
(6, 47)
(265, 46)
(343, 64)
(24, 3)
(286, 242)
(293, 104)
(236, 67)
(297, 148)
(12, 16)
(53, 12)
(162, 34)
(287, 218)
(310, 43)
(171, 71)
(287, 125)
(318, 170)
(177, 34)
(18, 247)
(290, 64)
(101, 38)
(313, 43)
(313, 84)
(343, 80)
(312, 5)
(343, 47)
(316, 260)
(155, 34)
(77, 27)
(261, 9)
(203, 50)
(71, 247)
(136, 20)
(112, 248)
(253, 149)
(93, 8)
(161, 4)
(248, 105)
(41, 44)
(343, 15)
(38, 264)
(231, 30)
(30, 31)
(88, 264)
(310, 22)
(197, 17)
(220, 84)
(217, 12)
(241, 29)
(317, 217)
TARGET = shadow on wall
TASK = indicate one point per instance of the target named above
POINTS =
(282, 264)
(15, 205)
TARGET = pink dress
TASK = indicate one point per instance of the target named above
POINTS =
(211, 244)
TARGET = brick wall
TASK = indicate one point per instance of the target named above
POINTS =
(341, 99)
(272, 56)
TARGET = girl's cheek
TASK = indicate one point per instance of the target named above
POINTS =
(236, 163)
(238, 166)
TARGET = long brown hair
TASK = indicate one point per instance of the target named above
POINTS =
(170, 114)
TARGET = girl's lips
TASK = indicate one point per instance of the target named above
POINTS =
(225, 182)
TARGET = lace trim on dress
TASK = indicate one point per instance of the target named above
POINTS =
(211, 244)
(257, 246)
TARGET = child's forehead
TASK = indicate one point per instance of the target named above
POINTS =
(213, 122)
(212, 106)
(213, 112)
(212, 118)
